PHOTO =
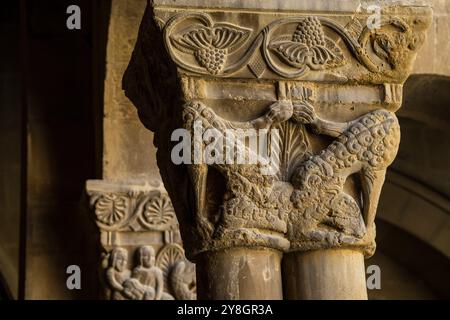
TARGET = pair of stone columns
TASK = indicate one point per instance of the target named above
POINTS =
(319, 85)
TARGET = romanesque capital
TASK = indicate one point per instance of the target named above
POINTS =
(316, 83)
(142, 256)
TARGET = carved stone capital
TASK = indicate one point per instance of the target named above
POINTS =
(324, 84)
(142, 257)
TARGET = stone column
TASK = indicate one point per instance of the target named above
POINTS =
(275, 124)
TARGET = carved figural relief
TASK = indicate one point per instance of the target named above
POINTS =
(255, 204)
(325, 215)
(150, 279)
(142, 256)
(301, 44)
(305, 199)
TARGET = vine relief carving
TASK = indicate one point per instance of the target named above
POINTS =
(388, 50)
(167, 276)
(211, 44)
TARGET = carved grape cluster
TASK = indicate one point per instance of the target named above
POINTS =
(213, 59)
(309, 32)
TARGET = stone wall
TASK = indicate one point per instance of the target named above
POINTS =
(128, 152)
(434, 57)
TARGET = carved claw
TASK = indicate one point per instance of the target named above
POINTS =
(372, 182)
(304, 113)
(278, 112)
(198, 174)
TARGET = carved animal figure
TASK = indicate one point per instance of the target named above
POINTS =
(182, 280)
(253, 198)
(324, 212)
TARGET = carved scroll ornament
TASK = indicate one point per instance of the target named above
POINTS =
(387, 50)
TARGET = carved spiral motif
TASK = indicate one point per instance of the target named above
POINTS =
(111, 209)
(159, 212)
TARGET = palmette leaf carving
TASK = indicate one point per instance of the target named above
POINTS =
(133, 210)
(308, 47)
(211, 45)
(158, 213)
(111, 209)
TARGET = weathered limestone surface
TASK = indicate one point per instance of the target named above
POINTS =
(341, 275)
(128, 154)
(327, 83)
(433, 57)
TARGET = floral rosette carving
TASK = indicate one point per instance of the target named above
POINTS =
(211, 44)
(308, 46)
(158, 213)
(111, 209)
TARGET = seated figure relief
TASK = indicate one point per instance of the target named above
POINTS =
(147, 281)
(117, 273)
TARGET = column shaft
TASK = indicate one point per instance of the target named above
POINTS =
(240, 274)
(333, 274)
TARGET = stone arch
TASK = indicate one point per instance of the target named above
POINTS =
(413, 228)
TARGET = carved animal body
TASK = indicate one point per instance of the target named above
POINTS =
(323, 211)
(182, 279)
(312, 208)
(252, 199)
